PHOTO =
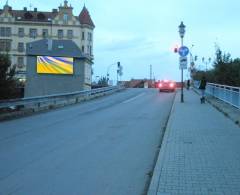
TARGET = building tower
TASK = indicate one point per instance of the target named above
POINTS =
(87, 27)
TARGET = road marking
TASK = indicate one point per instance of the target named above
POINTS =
(133, 98)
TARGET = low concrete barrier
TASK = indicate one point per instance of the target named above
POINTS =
(25, 106)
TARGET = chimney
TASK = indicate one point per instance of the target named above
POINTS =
(35, 9)
(54, 10)
(25, 9)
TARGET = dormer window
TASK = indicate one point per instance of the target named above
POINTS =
(28, 16)
(41, 16)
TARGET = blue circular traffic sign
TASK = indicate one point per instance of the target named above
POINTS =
(183, 51)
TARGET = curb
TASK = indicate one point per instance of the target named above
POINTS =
(153, 188)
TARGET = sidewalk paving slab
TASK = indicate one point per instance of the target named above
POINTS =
(200, 153)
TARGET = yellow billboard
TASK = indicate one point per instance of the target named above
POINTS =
(54, 65)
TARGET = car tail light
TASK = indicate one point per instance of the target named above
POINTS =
(171, 84)
(160, 85)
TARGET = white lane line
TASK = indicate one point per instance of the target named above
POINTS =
(133, 98)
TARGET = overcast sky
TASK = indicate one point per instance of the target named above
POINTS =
(142, 32)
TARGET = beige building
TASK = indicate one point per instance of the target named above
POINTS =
(18, 27)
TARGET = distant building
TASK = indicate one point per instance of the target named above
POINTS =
(138, 83)
(18, 27)
(55, 67)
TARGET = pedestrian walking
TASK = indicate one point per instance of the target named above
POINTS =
(202, 87)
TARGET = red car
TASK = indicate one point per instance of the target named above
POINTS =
(166, 85)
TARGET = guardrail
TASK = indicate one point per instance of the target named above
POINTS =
(56, 99)
(228, 94)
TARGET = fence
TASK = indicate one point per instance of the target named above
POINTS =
(228, 94)
(55, 100)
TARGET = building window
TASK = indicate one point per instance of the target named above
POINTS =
(70, 34)
(20, 47)
(5, 45)
(83, 49)
(8, 32)
(21, 32)
(65, 18)
(2, 32)
(83, 36)
(5, 32)
(8, 45)
(33, 33)
(45, 33)
(60, 34)
(2, 45)
(90, 50)
(20, 61)
(89, 36)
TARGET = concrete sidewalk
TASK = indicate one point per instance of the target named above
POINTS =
(200, 153)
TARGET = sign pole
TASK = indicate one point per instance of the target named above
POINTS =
(182, 100)
(182, 88)
(183, 52)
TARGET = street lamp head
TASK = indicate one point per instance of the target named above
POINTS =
(181, 28)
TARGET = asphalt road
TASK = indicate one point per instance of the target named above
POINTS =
(105, 146)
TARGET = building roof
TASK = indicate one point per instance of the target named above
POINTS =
(61, 48)
(35, 16)
(43, 16)
(85, 18)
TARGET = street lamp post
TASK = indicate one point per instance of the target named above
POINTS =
(191, 62)
(181, 28)
(206, 63)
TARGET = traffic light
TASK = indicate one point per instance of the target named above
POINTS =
(176, 49)
(119, 69)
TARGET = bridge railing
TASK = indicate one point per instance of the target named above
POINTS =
(56, 99)
(228, 94)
